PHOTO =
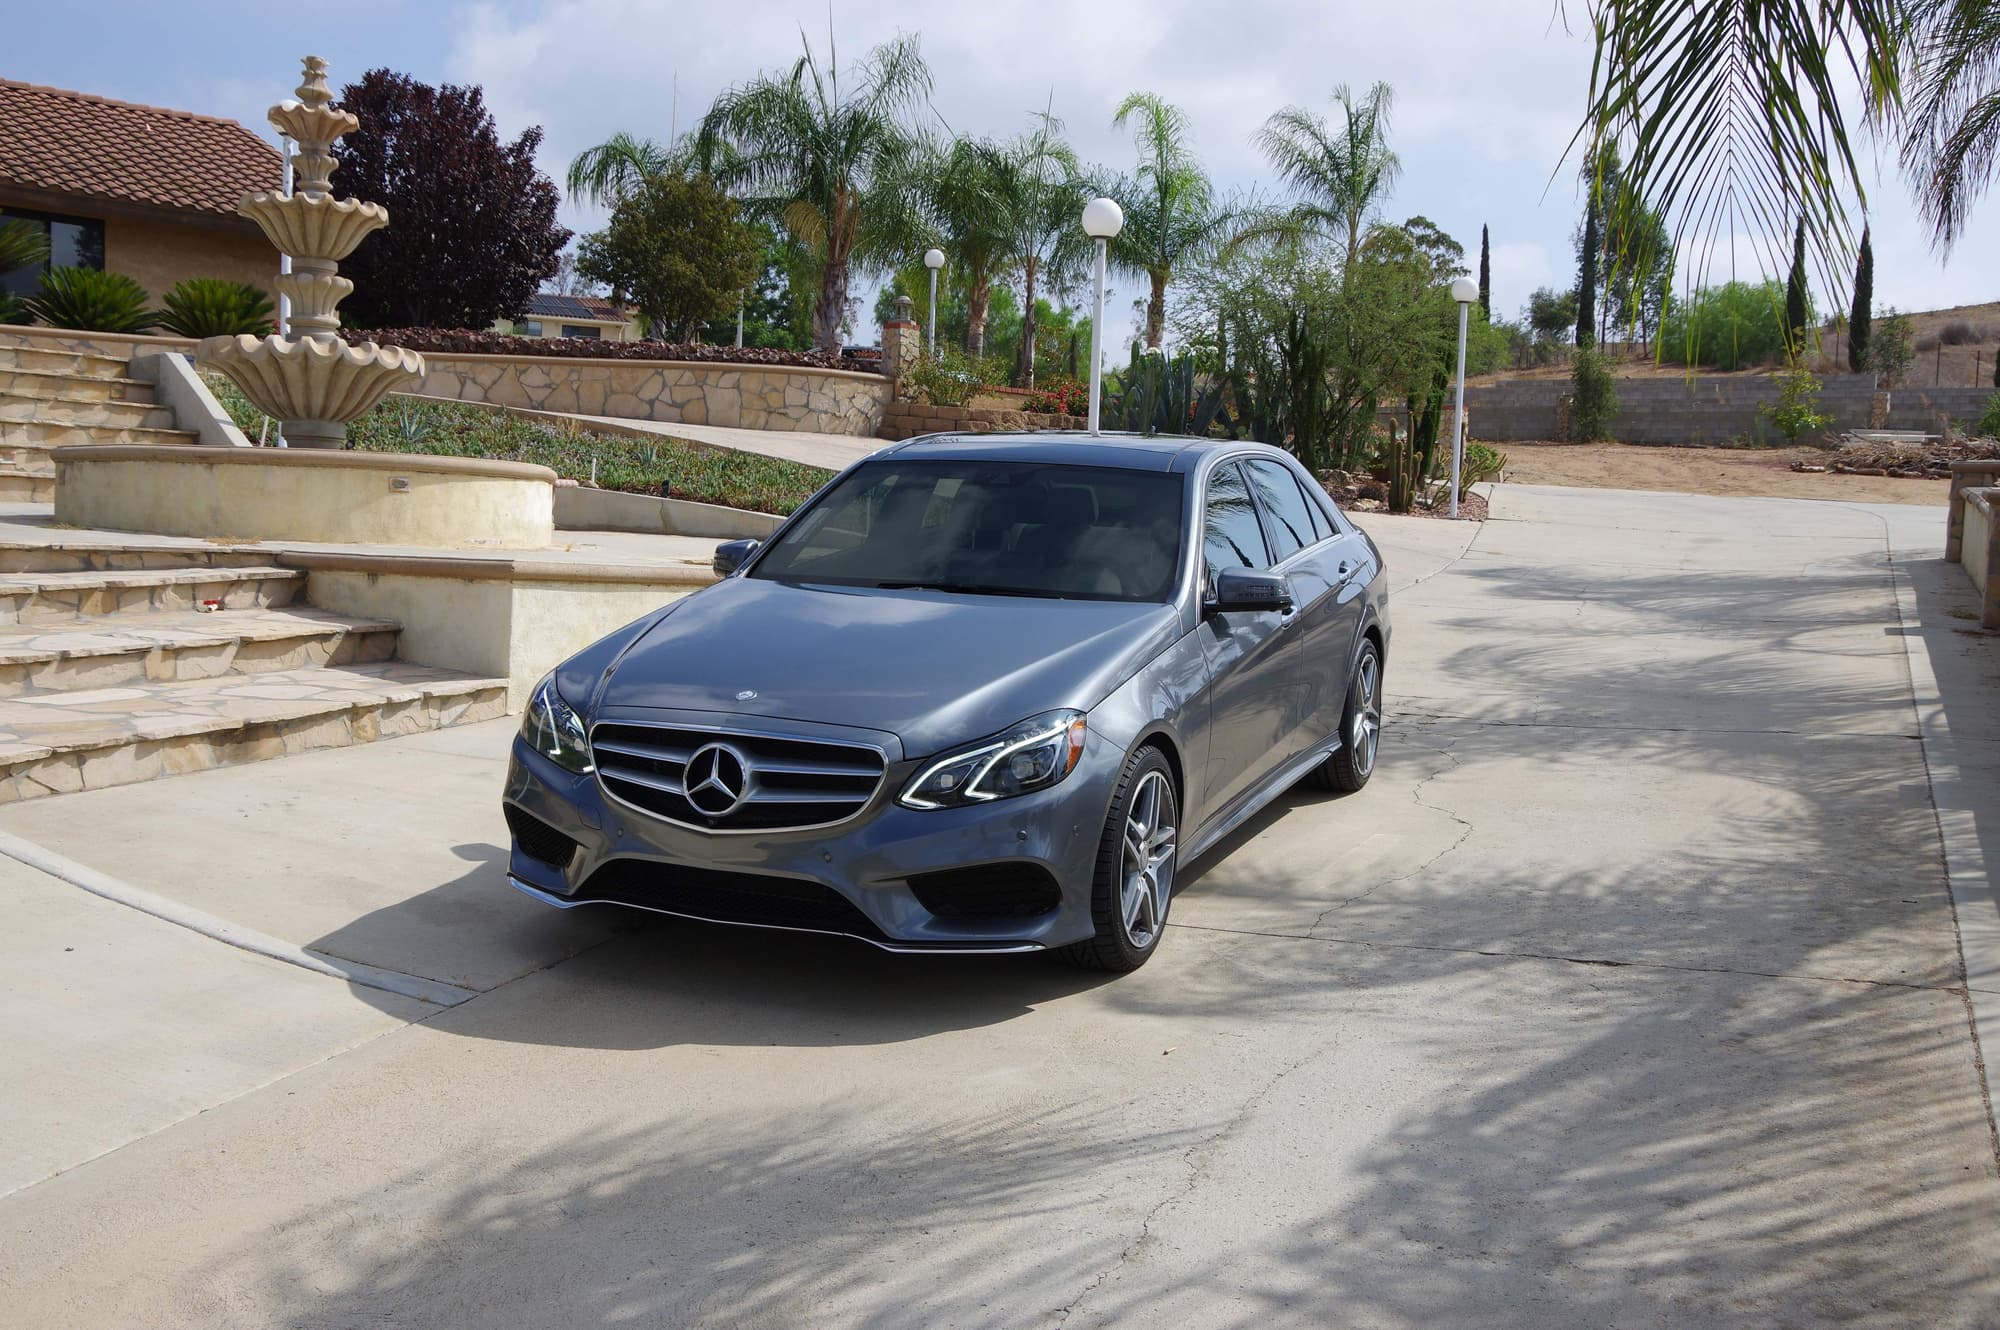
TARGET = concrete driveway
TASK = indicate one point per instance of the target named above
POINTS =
(1629, 994)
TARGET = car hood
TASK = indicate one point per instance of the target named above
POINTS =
(933, 668)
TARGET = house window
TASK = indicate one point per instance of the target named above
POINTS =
(74, 242)
(531, 328)
(581, 330)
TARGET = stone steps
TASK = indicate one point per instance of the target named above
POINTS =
(16, 488)
(44, 598)
(63, 741)
(59, 411)
(183, 644)
(54, 386)
(82, 364)
(52, 434)
(67, 553)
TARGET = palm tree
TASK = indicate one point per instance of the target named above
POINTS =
(616, 167)
(1338, 174)
(971, 191)
(1048, 243)
(1171, 217)
(831, 164)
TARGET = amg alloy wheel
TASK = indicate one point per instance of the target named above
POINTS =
(1134, 883)
(1349, 768)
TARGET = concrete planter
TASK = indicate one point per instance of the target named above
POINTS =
(306, 495)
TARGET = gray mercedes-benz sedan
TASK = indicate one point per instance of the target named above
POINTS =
(980, 694)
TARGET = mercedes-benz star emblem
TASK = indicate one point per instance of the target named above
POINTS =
(717, 779)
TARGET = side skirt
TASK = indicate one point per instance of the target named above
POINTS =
(1251, 801)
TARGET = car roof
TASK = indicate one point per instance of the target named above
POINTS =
(1139, 452)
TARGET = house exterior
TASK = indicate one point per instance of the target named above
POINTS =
(139, 190)
(550, 315)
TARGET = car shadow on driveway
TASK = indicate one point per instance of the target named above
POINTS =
(632, 980)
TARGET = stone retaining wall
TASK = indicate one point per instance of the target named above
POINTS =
(905, 420)
(774, 397)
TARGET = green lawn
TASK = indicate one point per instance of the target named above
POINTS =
(640, 466)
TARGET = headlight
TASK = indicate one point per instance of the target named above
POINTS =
(554, 731)
(1032, 756)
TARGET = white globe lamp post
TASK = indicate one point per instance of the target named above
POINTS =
(1464, 290)
(1102, 219)
(933, 259)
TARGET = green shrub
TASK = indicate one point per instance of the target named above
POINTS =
(1727, 327)
(91, 300)
(1593, 400)
(1797, 410)
(1988, 426)
(948, 377)
(213, 307)
(1890, 348)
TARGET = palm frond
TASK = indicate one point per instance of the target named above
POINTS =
(1733, 115)
(1949, 151)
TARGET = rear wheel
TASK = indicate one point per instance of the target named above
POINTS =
(1360, 727)
(1134, 882)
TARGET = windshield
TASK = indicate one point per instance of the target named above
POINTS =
(990, 528)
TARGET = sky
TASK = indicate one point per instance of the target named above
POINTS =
(1487, 92)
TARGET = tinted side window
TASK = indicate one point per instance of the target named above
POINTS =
(1285, 504)
(1230, 536)
(1316, 507)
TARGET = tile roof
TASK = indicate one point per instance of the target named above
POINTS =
(72, 143)
(548, 305)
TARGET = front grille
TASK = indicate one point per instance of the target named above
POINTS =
(539, 840)
(728, 898)
(988, 891)
(779, 783)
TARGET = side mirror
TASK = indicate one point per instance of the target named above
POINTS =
(730, 555)
(1251, 589)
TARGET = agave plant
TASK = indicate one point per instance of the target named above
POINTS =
(90, 300)
(213, 307)
(1161, 397)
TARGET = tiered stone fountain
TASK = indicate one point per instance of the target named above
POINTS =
(316, 384)
(313, 381)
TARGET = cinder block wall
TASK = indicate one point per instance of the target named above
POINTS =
(1708, 409)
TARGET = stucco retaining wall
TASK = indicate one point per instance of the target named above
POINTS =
(774, 397)
(305, 494)
(1979, 553)
(579, 508)
(492, 617)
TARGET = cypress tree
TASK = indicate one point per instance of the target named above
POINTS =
(1485, 278)
(1586, 277)
(1795, 294)
(1860, 322)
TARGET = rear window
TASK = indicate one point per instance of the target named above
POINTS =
(990, 528)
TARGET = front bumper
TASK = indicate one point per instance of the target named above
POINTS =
(852, 879)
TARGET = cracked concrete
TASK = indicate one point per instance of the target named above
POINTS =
(1630, 993)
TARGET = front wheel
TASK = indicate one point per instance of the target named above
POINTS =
(1349, 768)
(1134, 881)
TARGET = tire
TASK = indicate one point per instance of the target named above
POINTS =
(1129, 903)
(1349, 768)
